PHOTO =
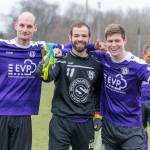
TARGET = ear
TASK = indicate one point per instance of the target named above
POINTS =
(125, 40)
(90, 38)
(35, 27)
(69, 37)
(15, 25)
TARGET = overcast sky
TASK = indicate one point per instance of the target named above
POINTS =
(5, 5)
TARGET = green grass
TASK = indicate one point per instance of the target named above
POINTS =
(40, 123)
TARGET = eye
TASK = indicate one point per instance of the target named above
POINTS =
(117, 40)
(75, 35)
(29, 26)
(21, 25)
(84, 35)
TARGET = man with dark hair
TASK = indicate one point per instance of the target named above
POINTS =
(120, 100)
(77, 77)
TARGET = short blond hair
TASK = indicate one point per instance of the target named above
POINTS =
(146, 48)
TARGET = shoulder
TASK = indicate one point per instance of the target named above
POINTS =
(7, 42)
(95, 59)
(96, 63)
(135, 59)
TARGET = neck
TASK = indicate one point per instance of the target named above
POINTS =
(22, 42)
(118, 58)
(80, 54)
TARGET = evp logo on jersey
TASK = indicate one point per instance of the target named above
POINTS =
(116, 83)
(24, 70)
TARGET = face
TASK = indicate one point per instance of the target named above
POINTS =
(146, 56)
(116, 45)
(25, 28)
(80, 38)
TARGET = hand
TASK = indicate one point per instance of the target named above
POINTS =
(97, 124)
(101, 46)
(58, 52)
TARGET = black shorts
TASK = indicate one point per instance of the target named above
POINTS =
(116, 137)
(15, 133)
(63, 133)
(146, 114)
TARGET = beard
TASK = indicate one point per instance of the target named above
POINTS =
(79, 49)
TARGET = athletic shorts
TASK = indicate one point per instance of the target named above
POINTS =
(116, 137)
(15, 133)
(146, 114)
(63, 133)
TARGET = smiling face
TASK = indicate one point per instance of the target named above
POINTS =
(25, 27)
(80, 37)
(116, 45)
(146, 54)
(116, 41)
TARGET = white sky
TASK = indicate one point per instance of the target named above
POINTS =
(5, 5)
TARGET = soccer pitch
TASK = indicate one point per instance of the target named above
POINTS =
(40, 123)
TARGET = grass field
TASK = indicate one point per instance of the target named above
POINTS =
(40, 123)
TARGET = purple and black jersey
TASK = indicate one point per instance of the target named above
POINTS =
(120, 99)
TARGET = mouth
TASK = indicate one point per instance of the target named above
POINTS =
(81, 44)
(114, 50)
(24, 35)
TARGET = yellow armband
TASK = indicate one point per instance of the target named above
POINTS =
(97, 115)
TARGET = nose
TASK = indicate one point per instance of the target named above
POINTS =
(80, 38)
(24, 29)
(113, 43)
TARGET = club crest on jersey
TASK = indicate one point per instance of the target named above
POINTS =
(91, 74)
(32, 53)
(79, 90)
(125, 70)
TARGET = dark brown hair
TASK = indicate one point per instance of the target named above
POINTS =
(79, 24)
(113, 29)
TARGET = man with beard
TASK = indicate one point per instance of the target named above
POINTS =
(77, 77)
